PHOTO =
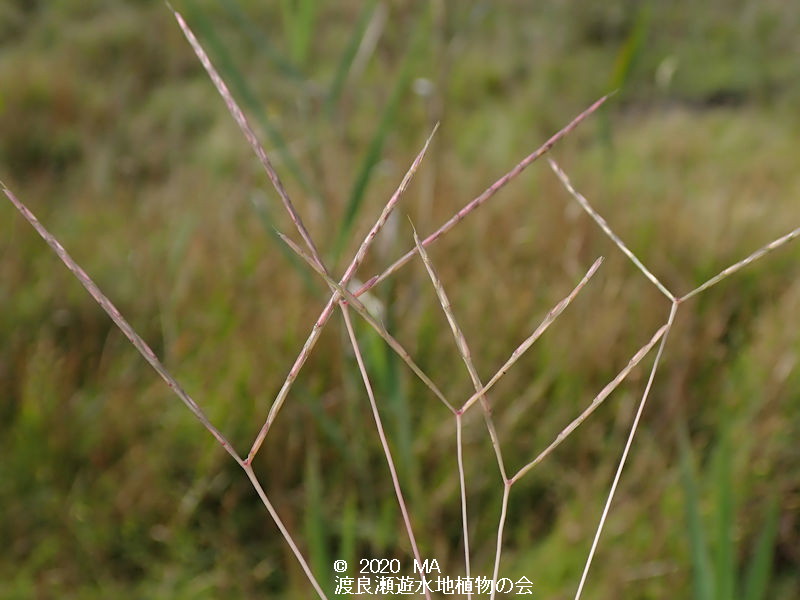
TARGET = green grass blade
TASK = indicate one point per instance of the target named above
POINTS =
(389, 384)
(381, 364)
(725, 567)
(373, 154)
(299, 17)
(395, 390)
(631, 50)
(279, 61)
(701, 563)
(346, 61)
(348, 535)
(759, 571)
(314, 516)
(241, 88)
(385, 534)
(627, 57)
(336, 430)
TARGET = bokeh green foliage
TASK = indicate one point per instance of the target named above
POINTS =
(112, 133)
(720, 577)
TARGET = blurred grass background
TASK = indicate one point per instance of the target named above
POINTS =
(113, 135)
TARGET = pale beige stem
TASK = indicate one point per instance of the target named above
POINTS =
(384, 444)
(597, 401)
(773, 245)
(371, 320)
(316, 330)
(607, 229)
(464, 351)
(627, 448)
(524, 346)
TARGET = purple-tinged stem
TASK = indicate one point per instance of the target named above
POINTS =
(316, 330)
(248, 132)
(490, 191)
(462, 484)
(463, 350)
(385, 445)
(597, 401)
(379, 327)
(120, 321)
(284, 531)
(524, 346)
(498, 551)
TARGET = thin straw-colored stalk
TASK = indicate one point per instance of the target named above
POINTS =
(384, 443)
(462, 484)
(480, 389)
(316, 330)
(463, 350)
(247, 130)
(524, 346)
(605, 227)
(248, 469)
(597, 401)
(488, 193)
(373, 322)
(158, 366)
(774, 245)
(466, 357)
(626, 450)
(561, 437)
(498, 551)
(120, 321)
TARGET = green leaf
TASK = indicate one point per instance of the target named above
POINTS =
(701, 564)
(234, 77)
(278, 59)
(373, 154)
(631, 50)
(725, 567)
(315, 521)
(349, 54)
(624, 63)
(349, 533)
(299, 17)
(759, 571)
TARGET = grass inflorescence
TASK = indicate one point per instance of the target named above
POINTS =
(463, 389)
